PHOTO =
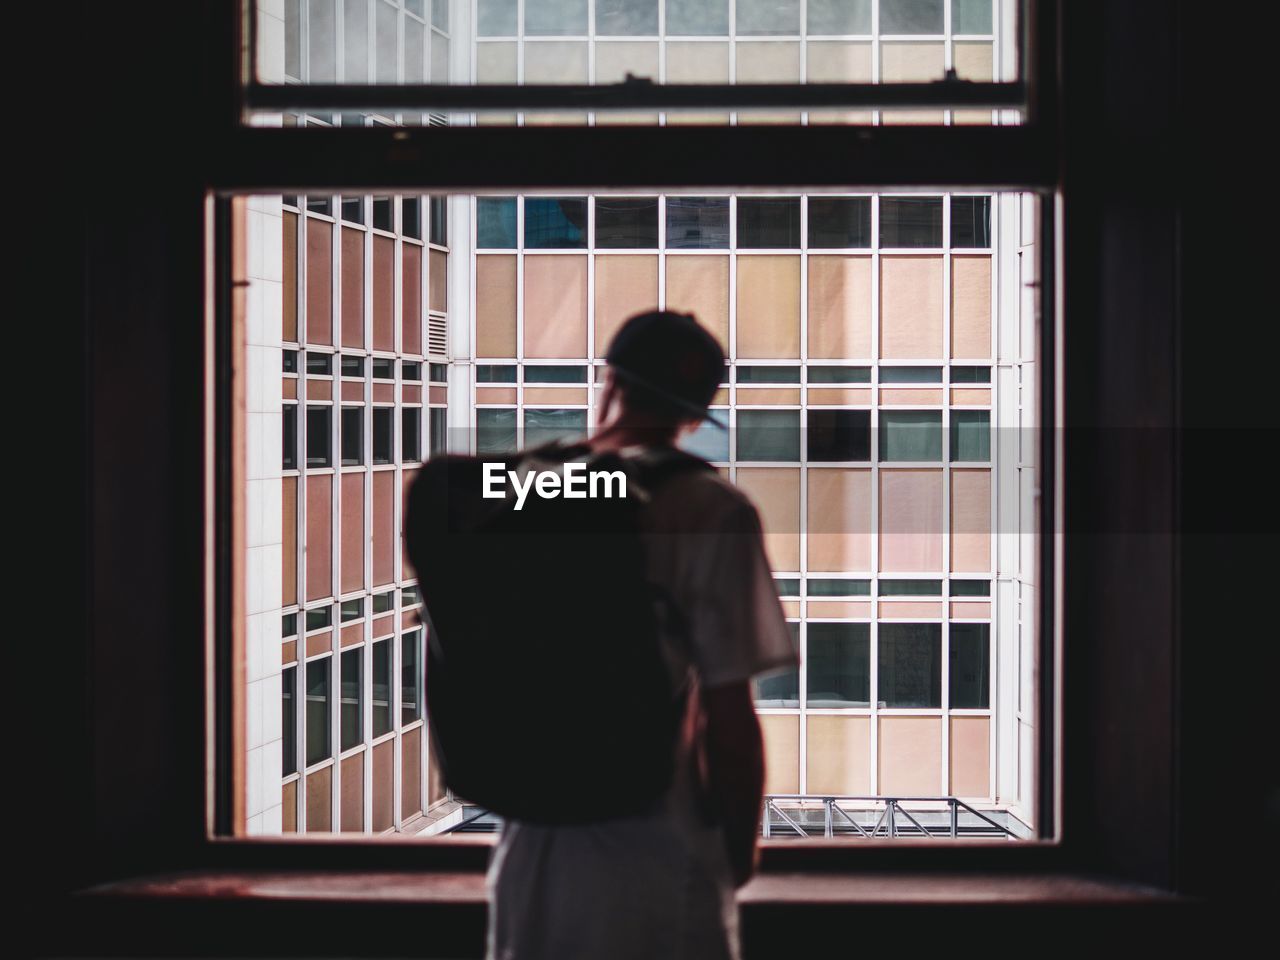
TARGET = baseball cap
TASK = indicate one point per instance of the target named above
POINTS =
(671, 356)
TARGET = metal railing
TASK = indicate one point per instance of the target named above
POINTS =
(878, 818)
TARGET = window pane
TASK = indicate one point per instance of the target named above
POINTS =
(352, 366)
(626, 18)
(768, 16)
(352, 710)
(911, 16)
(786, 586)
(971, 221)
(438, 430)
(384, 602)
(288, 722)
(910, 588)
(495, 430)
(319, 452)
(626, 223)
(839, 374)
(353, 209)
(351, 610)
(384, 368)
(780, 689)
(411, 217)
(318, 710)
(970, 665)
(552, 223)
(319, 364)
(698, 222)
(289, 438)
(911, 222)
(496, 18)
(536, 373)
(381, 687)
(319, 618)
(410, 677)
(708, 441)
(910, 374)
(411, 435)
(970, 374)
(971, 588)
(382, 213)
(839, 17)
(911, 435)
(971, 435)
(543, 426)
(839, 222)
(555, 17)
(832, 587)
(496, 223)
(839, 435)
(769, 222)
(382, 434)
(495, 373)
(698, 18)
(352, 436)
(768, 434)
(839, 665)
(910, 672)
(970, 16)
(768, 374)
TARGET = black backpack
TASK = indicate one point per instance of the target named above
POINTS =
(548, 697)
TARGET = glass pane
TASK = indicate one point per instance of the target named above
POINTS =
(910, 435)
(840, 222)
(555, 17)
(839, 665)
(382, 428)
(538, 373)
(544, 426)
(911, 222)
(971, 435)
(768, 17)
(555, 223)
(910, 672)
(288, 721)
(698, 18)
(971, 221)
(839, 435)
(910, 588)
(495, 373)
(697, 222)
(624, 223)
(970, 16)
(496, 18)
(352, 718)
(626, 18)
(289, 437)
(910, 374)
(410, 677)
(830, 587)
(318, 710)
(768, 434)
(352, 436)
(969, 665)
(780, 689)
(708, 441)
(839, 374)
(769, 222)
(411, 435)
(496, 223)
(769, 374)
(381, 687)
(495, 430)
(970, 374)
(839, 17)
(438, 430)
(911, 16)
(319, 441)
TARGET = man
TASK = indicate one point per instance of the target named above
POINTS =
(662, 885)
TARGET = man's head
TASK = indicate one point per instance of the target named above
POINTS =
(666, 367)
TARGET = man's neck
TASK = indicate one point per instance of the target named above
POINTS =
(633, 432)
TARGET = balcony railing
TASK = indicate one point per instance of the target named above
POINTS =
(870, 818)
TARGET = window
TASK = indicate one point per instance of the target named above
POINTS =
(970, 221)
(289, 437)
(289, 625)
(496, 223)
(352, 719)
(495, 373)
(555, 223)
(382, 429)
(411, 217)
(970, 665)
(289, 361)
(768, 435)
(890, 587)
(910, 673)
(910, 374)
(839, 435)
(352, 366)
(319, 617)
(971, 435)
(318, 711)
(911, 222)
(288, 721)
(839, 222)
(698, 223)
(352, 436)
(824, 374)
(438, 430)
(623, 223)
(541, 374)
(382, 213)
(319, 440)
(495, 430)
(384, 368)
(381, 687)
(411, 370)
(353, 209)
(770, 374)
(910, 435)
(545, 426)
(410, 676)
(411, 435)
(351, 610)
(708, 441)
(829, 587)
(839, 665)
(769, 222)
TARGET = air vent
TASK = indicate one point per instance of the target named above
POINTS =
(437, 120)
(438, 337)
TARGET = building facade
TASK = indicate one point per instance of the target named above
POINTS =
(879, 392)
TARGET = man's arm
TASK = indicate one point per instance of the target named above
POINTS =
(735, 770)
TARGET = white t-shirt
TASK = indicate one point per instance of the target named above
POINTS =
(656, 886)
